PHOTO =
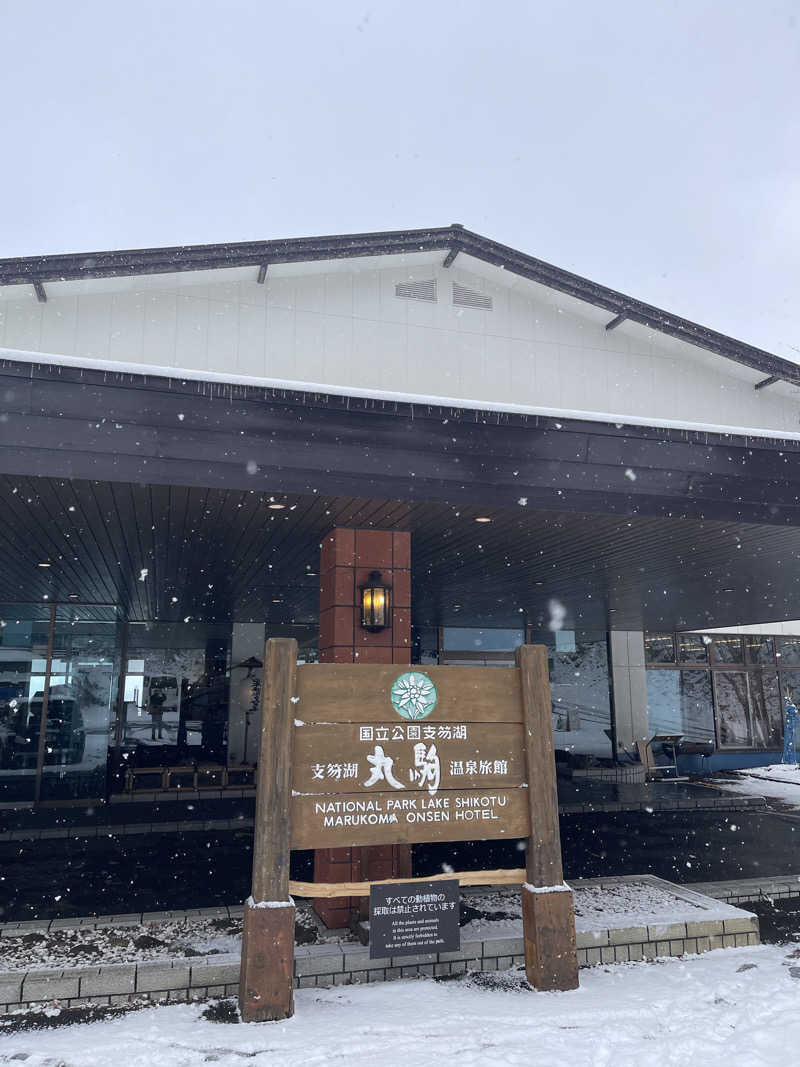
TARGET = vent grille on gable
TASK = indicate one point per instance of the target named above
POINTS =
(470, 298)
(423, 290)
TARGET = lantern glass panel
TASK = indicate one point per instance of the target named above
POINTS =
(375, 604)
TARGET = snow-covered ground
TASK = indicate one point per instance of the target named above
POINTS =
(627, 903)
(778, 781)
(119, 944)
(136, 942)
(734, 1005)
(489, 912)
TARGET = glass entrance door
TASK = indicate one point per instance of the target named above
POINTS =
(59, 667)
(24, 634)
(81, 698)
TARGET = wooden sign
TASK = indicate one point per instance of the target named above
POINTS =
(361, 754)
(385, 755)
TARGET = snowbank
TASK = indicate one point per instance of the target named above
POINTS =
(738, 1005)
(777, 781)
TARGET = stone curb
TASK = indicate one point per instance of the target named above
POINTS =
(337, 964)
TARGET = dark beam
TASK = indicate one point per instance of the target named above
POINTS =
(145, 261)
(616, 321)
(368, 452)
(766, 381)
(262, 273)
(41, 295)
(451, 255)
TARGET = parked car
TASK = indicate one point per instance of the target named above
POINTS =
(65, 736)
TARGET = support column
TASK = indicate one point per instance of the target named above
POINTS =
(629, 687)
(348, 557)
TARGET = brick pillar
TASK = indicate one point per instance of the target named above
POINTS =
(348, 557)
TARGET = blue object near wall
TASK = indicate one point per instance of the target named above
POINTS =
(790, 733)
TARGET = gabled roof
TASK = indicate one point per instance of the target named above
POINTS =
(450, 240)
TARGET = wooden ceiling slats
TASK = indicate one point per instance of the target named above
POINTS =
(670, 572)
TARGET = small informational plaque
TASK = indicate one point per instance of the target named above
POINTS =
(407, 918)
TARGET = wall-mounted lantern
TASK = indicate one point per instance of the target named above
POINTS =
(376, 603)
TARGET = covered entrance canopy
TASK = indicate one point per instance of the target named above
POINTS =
(175, 553)
(176, 498)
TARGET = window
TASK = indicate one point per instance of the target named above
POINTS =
(789, 651)
(738, 697)
(659, 648)
(679, 702)
(760, 651)
(465, 639)
(766, 712)
(790, 680)
(726, 650)
(692, 648)
(733, 717)
(749, 711)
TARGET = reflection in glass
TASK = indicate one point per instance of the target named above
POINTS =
(733, 719)
(692, 648)
(580, 692)
(659, 648)
(466, 639)
(790, 680)
(760, 650)
(766, 709)
(23, 658)
(679, 702)
(176, 694)
(789, 651)
(726, 650)
(80, 704)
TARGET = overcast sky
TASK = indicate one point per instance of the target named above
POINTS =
(650, 146)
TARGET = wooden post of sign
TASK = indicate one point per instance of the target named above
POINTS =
(548, 917)
(266, 984)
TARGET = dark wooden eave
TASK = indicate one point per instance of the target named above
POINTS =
(449, 239)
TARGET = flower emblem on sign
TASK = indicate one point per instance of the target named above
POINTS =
(413, 695)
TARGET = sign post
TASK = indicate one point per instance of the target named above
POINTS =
(548, 917)
(266, 985)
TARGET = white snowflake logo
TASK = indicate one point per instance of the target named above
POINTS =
(413, 695)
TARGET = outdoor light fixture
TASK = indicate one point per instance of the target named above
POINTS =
(276, 507)
(44, 564)
(376, 603)
(483, 518)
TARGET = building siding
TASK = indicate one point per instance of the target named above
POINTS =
(346, 328)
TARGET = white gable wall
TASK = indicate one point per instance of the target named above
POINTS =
(341, 325)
